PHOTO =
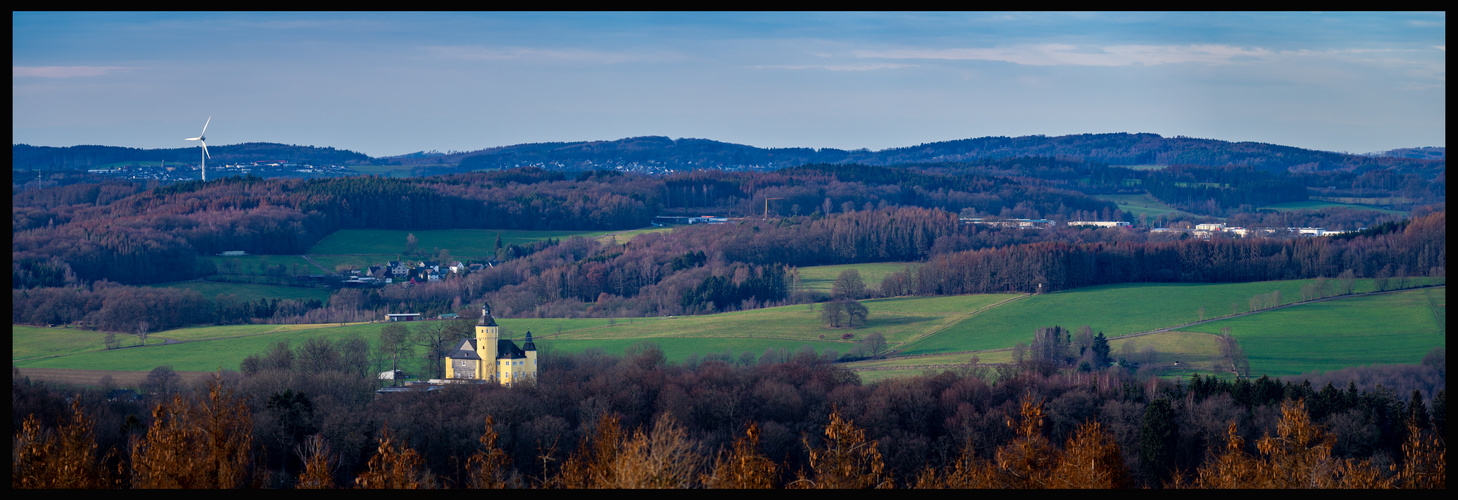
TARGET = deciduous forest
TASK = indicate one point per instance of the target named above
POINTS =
(306, 417)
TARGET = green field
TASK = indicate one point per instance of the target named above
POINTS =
(898, 319)
(1392, 328)
(1142, 204)
(462, 243)
(820, 278)
(250, 292)
(1318, 205)
(1113, 309)
(1389, 328)
(257, 265)
(81, 349)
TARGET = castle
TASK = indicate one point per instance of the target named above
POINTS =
(490, 357)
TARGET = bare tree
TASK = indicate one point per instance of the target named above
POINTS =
(875, 344)
(848, 285)
(394, 343)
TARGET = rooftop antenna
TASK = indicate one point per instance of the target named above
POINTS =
(202, 140)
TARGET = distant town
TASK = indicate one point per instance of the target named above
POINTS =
(163, 172)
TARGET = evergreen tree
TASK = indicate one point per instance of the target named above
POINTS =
(1158, 436)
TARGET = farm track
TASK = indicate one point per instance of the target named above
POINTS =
(316, 264)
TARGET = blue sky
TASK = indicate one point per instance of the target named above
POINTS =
(394, 83)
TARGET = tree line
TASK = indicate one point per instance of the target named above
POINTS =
(307, 417)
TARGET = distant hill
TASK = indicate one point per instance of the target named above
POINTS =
(27, 157)
(1114, 149)
(657, 154)
(1428, 153)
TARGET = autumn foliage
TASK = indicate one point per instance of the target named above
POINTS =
(204, 439)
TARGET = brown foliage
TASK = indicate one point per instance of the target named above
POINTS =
(197, 443)
(590, 466)
(393, 467)
(845, 461)
(65, 458)
(1298, 456)
(1090, 460)
(489, 468)
(1027, 461)
(1423, 465)
(319, 464)
(662, 458)
(743, 467)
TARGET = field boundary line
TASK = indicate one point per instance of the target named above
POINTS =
(316, 264)
(962, 318)
(1177, 327)
(1282, 306)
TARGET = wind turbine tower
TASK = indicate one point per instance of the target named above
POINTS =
(202, 140)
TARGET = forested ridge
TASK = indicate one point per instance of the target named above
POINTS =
(25, 156)
(306, 416)
(1112, 149)
(72, 244)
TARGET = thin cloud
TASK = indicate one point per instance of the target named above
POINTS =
(479, 53)
(1056, 54)
(62, 71)
(839, 67)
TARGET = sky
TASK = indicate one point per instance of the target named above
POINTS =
(394, 83)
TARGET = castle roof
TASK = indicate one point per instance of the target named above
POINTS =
(505, 349)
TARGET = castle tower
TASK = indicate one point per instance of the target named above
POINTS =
(531, 354)
(487, 335)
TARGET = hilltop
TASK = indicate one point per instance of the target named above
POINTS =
(658, 154)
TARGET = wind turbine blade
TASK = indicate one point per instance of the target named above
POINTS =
(205, 149)
(205, 127)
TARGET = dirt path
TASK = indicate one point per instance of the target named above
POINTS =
(316, 264)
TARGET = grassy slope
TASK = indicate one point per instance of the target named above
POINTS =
(820, 278)
(1113, 309)
(1318, 204)
(250, 292)
(1405, 317)
(898, 319)
(1378, 329)
(1138, 204)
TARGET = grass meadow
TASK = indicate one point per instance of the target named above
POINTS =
(1318, 205)
(250, 292)
(1141, 204)
(1392, 328)
(820, 278)
(1389, 328)
(1113, 309)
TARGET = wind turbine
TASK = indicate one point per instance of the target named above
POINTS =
(202, 140)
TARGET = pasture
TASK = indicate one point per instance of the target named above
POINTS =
(1318, 205)
(1399, 327)
(1113, 309)
(250, 292)
(1141, 204)
(820, 278)
(1396, 327)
